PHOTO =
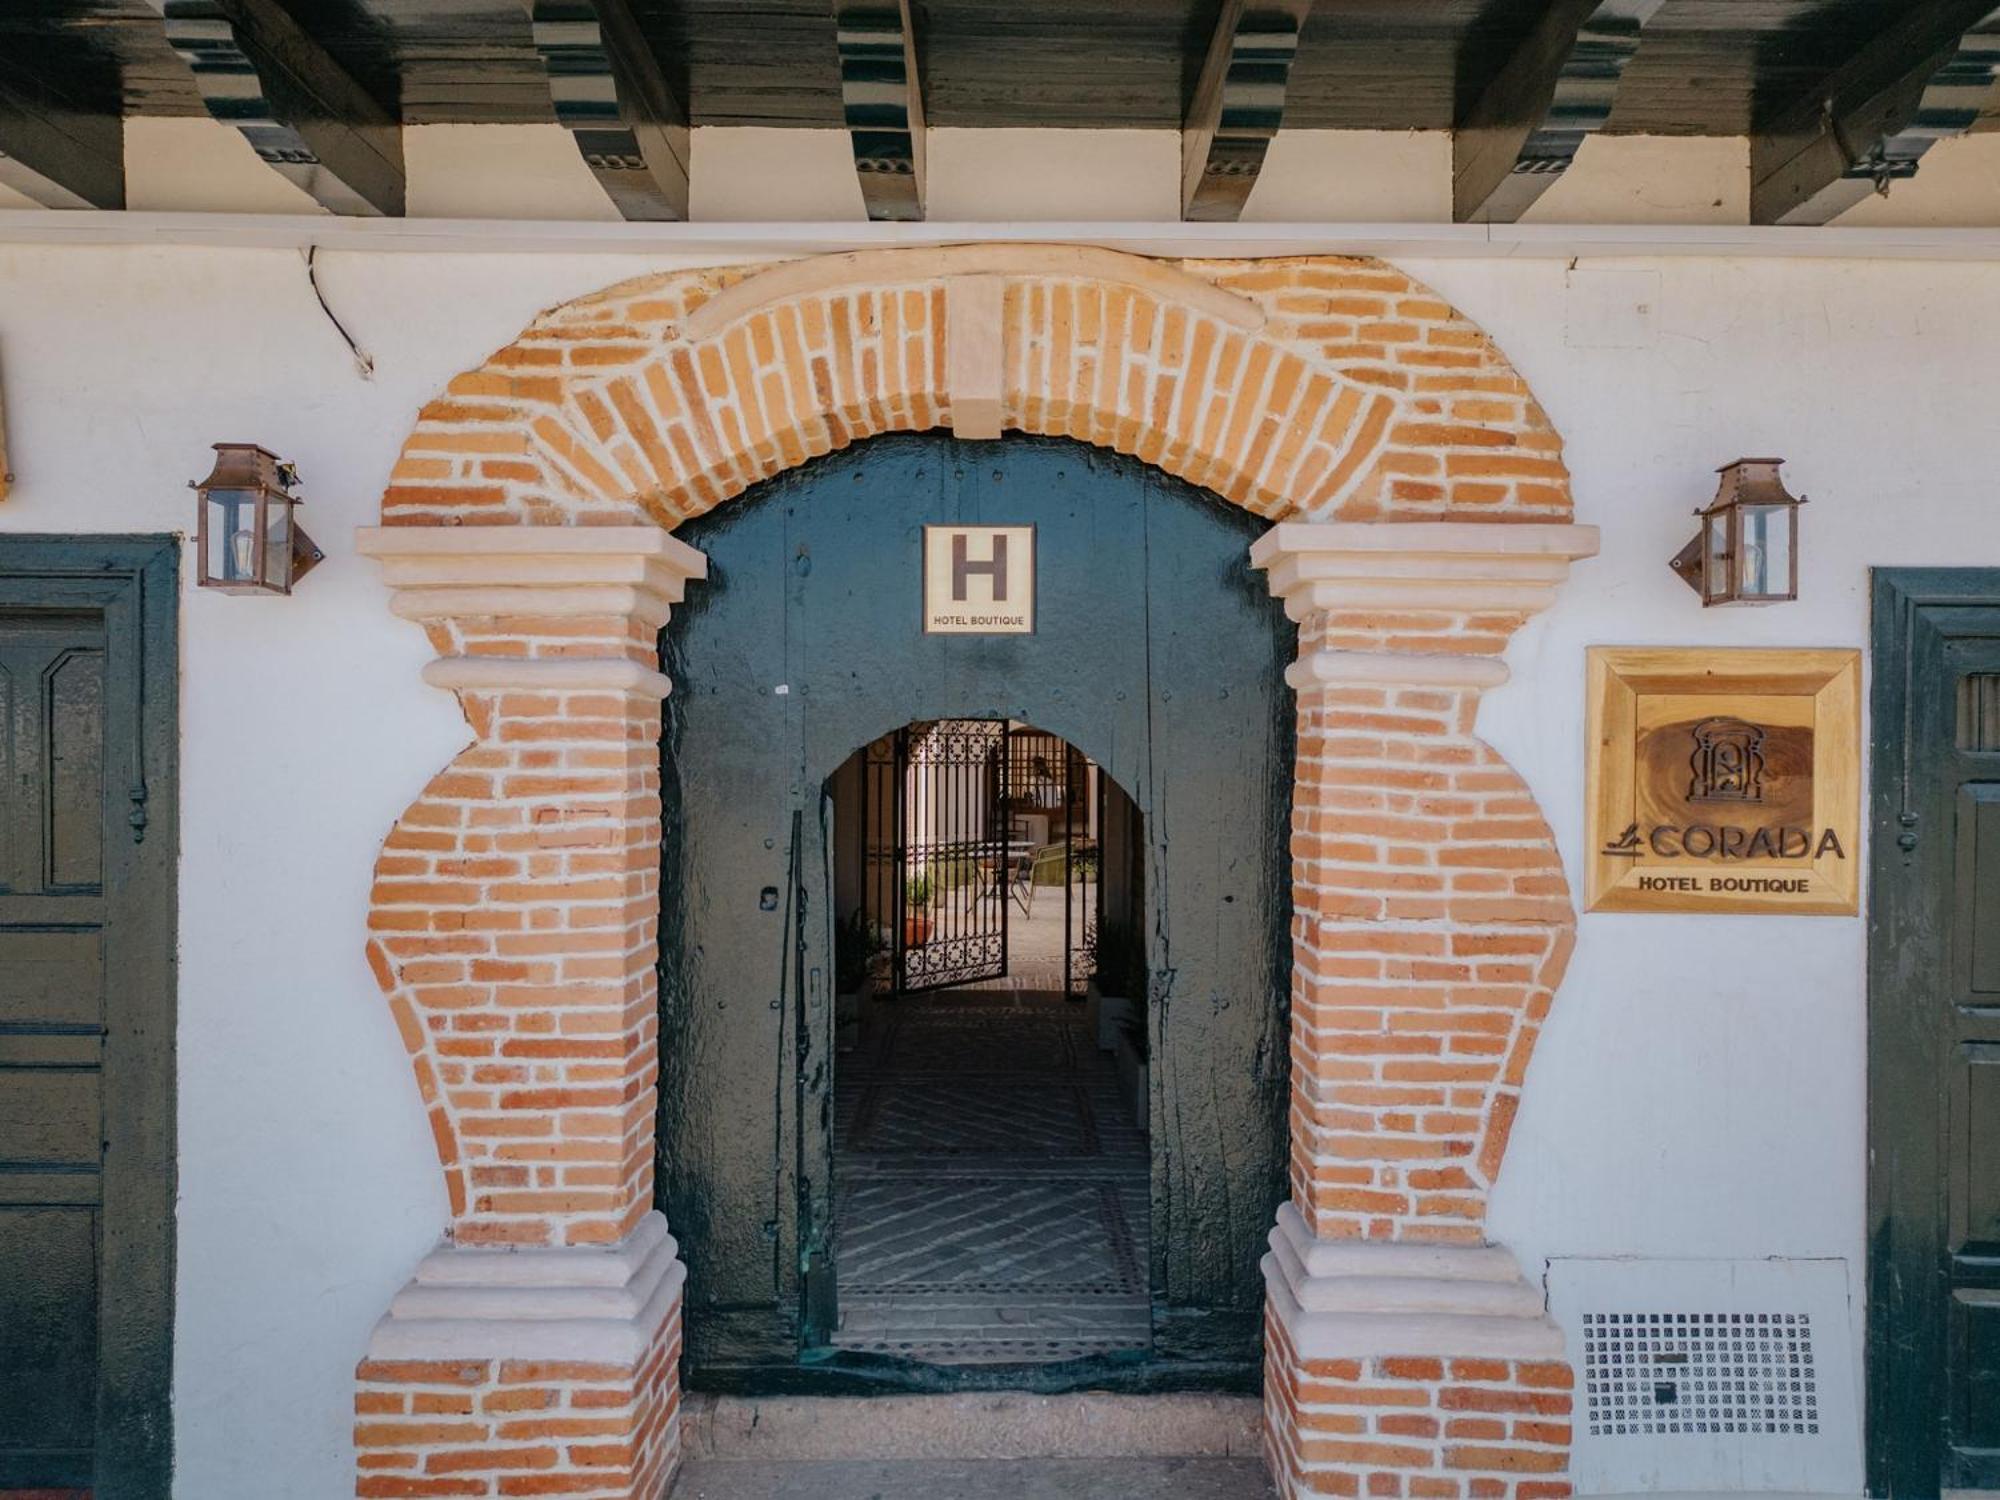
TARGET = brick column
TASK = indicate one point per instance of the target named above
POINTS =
(1404, 1355)
(513, 928)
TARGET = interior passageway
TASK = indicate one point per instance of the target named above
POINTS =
(991, 1158)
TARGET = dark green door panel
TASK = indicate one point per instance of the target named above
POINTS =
(1160, 655)
(87, 849)
(1934, 1035)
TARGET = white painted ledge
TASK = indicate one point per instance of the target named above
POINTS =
(1458, 566)
(595, 1305)
(1331, 669)
(733, 243)
(458, 572)
(1361, 1299)
(555, 674)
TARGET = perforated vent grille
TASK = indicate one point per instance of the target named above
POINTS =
(1648, 1373)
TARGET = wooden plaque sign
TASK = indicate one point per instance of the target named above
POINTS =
(1724, 781)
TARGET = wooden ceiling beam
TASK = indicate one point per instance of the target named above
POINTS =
(54, 151)
(1238, 105)
(1920, 80)
(1555, 89)
(882, 98)
(303, 113)
(610, 93)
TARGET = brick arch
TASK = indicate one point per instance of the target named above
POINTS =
(1317, 389)
(1423, 508)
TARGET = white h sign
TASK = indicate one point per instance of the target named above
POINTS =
(979, 580)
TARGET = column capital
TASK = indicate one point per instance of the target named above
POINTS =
(1460, 566)
(445, 575)
(452, 572)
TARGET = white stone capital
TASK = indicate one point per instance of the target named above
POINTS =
(455, 572)
(583, 1303)
(1367, 1299)
(1458, 566)
(465, 572)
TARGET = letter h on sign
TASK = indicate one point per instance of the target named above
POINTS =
(963, 567)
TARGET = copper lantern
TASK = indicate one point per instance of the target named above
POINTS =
(248, 540)
(1747, 551)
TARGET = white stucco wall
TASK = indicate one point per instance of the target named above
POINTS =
(1699, 1090)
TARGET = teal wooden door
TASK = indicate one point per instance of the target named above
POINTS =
(87, 838)
(1934, 1035)
(1160, 655)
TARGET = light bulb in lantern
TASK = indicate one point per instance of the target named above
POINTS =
(243, 549)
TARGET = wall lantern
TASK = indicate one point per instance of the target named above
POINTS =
(1747, 551)
(247, 539)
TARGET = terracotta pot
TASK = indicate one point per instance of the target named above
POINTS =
(916, 931)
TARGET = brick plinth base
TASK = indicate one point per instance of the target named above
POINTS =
(532, 1373)
(1403, 1370)
(1415, 1427)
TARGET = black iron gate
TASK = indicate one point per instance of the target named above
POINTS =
(935, 851)
(971, 830)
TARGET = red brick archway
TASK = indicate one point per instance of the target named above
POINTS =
(514, 916)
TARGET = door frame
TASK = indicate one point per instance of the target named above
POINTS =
(134, 582)
(1905, 1346)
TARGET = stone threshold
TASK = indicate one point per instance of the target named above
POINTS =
(973, 1426)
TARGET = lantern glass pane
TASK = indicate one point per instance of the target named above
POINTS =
(1764, 562)
(232, 536)
(1715, 557)
(278, 544)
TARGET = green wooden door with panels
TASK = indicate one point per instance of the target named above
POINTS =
(1934, 1035)
(87, 864)
(1158, 653)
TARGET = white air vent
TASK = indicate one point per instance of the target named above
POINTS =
(1650, 1373)
(1710, 1375)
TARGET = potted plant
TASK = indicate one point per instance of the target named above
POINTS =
(916, 910)
(853, 948)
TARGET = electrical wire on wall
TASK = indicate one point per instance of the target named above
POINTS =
(363, 361)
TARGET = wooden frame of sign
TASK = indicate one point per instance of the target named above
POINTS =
(1724, 781)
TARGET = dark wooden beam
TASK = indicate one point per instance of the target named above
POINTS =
(1921, 79)
(1555, 88)
(611, 95)
(882, 98)
(54, 150)
(303, 114)
(1238, 104)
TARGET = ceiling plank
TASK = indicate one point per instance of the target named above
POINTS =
(1556, 88)
(1238, 105)
(882, 98)
(629, 123)
(304, 114)
(58, 154)
(1921, 80)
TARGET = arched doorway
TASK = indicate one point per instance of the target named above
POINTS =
(1159, 656)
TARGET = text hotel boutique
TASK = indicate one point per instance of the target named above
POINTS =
(1263, 748)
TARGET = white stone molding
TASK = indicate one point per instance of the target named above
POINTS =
(464, 572)
(903, 266)
(456, 572)
(1459, 566)
(1366, 1299)
(1329, 669)
(547, 674)
(584, 1303)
